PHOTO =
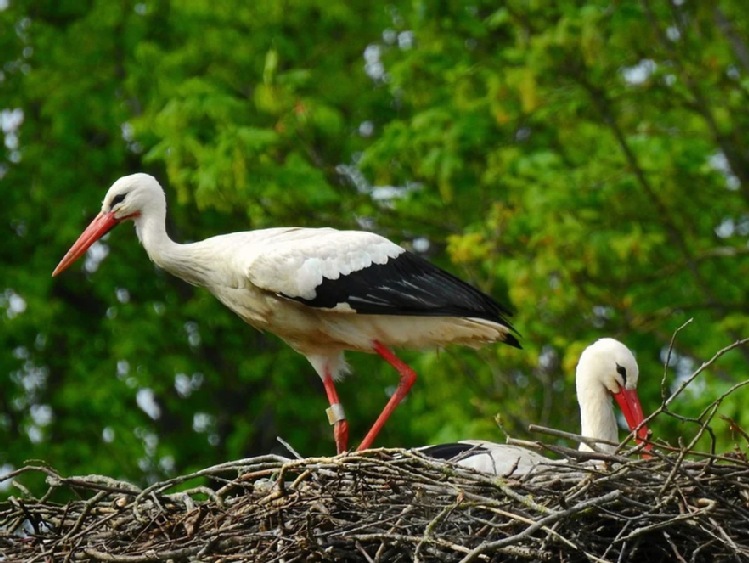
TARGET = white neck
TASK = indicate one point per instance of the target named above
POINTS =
(162, 250)
(153, 237)
(597, 419)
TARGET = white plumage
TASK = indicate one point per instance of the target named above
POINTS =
(606, 369)
(323, 291)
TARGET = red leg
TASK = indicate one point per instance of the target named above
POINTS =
(336, 415)
(408, 378)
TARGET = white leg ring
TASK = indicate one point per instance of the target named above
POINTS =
(335, 413)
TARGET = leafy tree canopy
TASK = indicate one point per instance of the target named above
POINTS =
(584, 162)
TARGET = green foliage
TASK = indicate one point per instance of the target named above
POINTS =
(584, 163)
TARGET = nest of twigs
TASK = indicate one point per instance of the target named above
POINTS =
(394, 505)
(398, 505)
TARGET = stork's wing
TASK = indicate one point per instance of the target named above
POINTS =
(406, 285)
(296, 262)
(364, 273)
(453, 450)
(488, 457)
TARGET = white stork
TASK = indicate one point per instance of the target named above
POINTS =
(323, 291)
(607, 368)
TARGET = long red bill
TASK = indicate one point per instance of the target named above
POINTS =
(629, 402)
(100, 226)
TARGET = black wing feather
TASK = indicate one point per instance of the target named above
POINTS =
(453, 450)
(409, 285)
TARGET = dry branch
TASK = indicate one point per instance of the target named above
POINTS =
(392, 505)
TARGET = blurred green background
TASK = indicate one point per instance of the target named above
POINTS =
(586, 163)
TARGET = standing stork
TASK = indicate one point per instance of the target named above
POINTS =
(322, 291)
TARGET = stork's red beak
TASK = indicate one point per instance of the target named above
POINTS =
(100, 226)
(629, 402)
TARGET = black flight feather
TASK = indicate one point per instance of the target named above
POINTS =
(409, 285)
(453, 450)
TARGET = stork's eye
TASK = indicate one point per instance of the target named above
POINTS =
(119, 198)
(621, 370)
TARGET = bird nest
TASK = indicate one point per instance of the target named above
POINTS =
(393, 505)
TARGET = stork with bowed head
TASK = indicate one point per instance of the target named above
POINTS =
(607, 368)
(323, 291)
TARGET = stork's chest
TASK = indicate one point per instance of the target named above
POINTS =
(252, 304)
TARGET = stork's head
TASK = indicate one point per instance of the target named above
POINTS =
(132, 195)
(608, 365)
(130, 198)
